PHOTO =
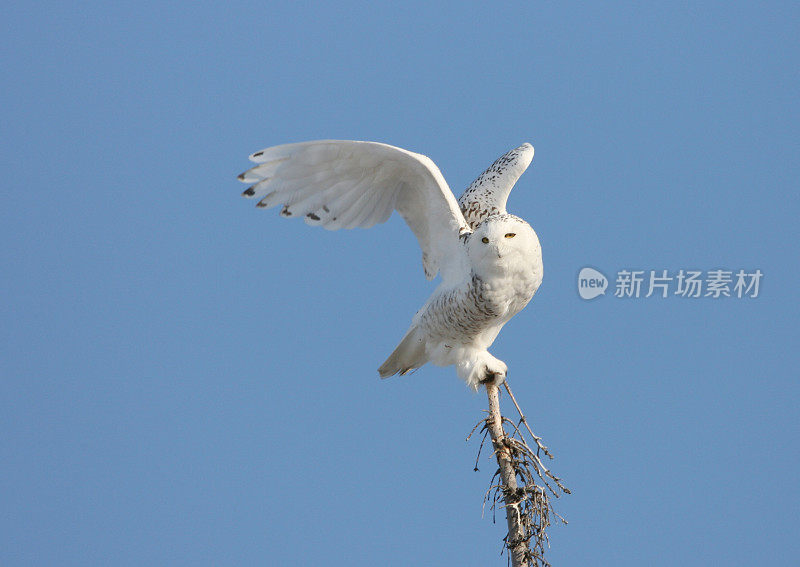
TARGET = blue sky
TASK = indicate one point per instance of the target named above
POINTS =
(187, 380)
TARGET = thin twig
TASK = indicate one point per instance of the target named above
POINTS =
(537, 439)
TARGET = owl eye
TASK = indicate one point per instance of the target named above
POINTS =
(485, 240)
(511, 234)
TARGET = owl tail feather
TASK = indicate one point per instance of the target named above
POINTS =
(409, 355)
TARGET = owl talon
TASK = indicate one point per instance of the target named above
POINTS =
(495, 378)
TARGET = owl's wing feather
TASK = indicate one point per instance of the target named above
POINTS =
(347, 184)
(487, 195)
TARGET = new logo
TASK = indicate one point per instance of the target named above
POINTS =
(591, 283)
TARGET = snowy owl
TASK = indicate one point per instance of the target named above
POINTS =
(490, 261)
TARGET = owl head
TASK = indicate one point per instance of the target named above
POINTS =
(504, 243)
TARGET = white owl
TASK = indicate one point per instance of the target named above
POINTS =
(490, 261)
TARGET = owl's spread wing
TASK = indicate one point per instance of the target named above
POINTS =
(487, 195)
(346, 184)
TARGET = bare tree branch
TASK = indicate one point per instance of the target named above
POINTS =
(515, 540)
(522, 484)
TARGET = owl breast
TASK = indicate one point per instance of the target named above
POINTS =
(461, 316)
(504, 297)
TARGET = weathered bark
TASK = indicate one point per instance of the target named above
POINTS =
(517, 545)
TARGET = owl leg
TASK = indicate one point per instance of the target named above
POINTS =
(494, 374)
(493, 378)
(482, 368)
